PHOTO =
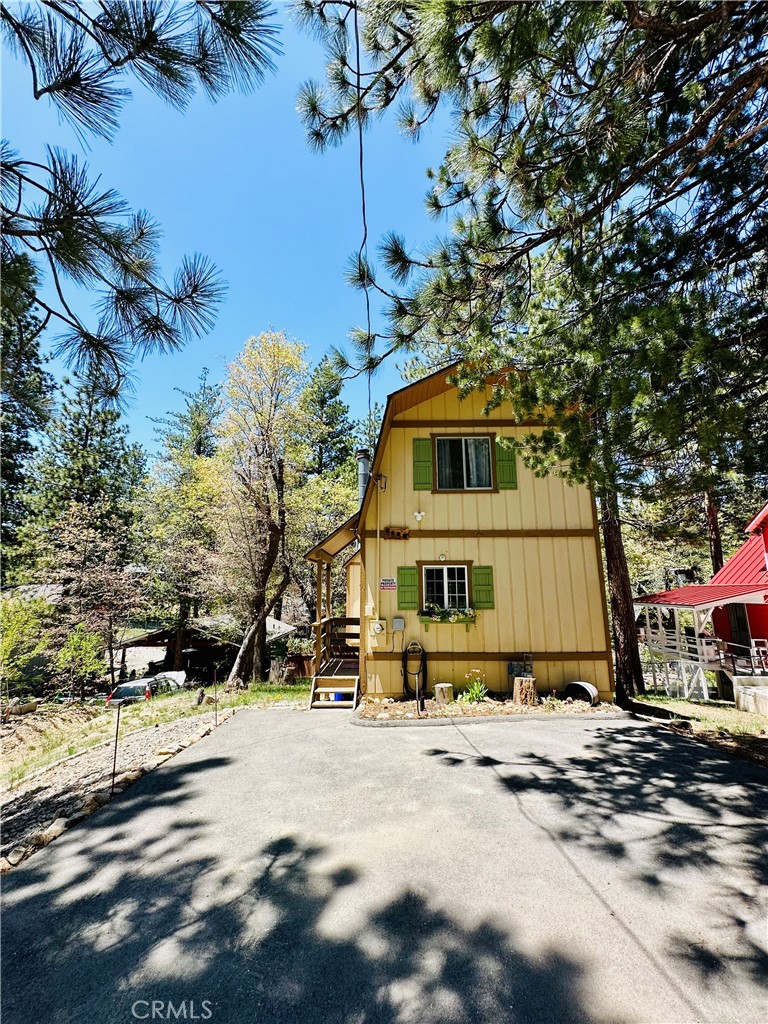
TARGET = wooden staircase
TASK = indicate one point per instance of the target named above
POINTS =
(337, 686)
(337, 683)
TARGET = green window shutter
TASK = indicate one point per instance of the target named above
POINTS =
(408, 588)
(422, 463)
(506, 466)
(482, 586)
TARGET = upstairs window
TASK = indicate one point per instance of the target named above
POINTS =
(464, 464)
(445, 586)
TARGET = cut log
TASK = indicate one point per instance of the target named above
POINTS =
(525, 691)
(17, 708)
(444, 693)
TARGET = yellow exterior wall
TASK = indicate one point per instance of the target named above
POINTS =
(548, 589)
(353, 570)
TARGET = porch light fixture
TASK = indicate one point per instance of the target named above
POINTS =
(418, 516)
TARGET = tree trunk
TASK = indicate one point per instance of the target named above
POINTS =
(243, 665)
(111, 649)
(252, 657)
(713, 530)
(181, 633)
(260, 653)
(629, 672)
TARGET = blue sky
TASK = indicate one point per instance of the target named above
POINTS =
(236, 180)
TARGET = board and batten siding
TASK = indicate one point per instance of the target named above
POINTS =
(548, 595)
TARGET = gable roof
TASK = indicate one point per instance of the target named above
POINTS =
(747, 567)
(400, 401)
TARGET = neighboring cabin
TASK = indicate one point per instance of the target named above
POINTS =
(717, 627)
(451, 519)
(744, 625)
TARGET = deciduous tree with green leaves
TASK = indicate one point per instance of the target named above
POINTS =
(80, 659)
(23, 639)
(263, 453)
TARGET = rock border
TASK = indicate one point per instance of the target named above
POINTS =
(544, 716)
(101, 797)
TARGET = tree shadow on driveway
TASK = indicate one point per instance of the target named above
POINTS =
(133, 917)
(671, 815)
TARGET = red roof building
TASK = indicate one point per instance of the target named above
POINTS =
(745, 624)
(735, 603)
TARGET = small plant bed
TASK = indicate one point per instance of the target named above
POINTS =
(719, 724)
(387, 708)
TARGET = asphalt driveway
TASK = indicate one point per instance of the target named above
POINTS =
(294, 868)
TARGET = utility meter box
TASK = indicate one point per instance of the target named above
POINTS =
(377, 627)
(398, 624)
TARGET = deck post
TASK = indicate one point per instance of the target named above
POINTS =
(328, 590)
(319, 618)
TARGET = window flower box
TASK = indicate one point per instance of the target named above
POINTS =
(432, 614)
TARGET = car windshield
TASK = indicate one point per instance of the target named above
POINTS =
(128, 690)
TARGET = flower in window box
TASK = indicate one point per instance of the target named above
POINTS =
(438, 614)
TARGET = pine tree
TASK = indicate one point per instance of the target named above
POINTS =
(84, 461)
(329, 418)
(175, 507)
(79, 57)
(26, 394)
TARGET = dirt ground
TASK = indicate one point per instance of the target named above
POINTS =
(744, 745)
(718, 724)
(46, 726)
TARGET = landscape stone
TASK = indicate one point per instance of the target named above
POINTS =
(54, 830)
(16, 856)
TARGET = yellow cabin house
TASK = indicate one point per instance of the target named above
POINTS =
(463, 551)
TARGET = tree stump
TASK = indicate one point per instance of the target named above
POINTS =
(281, 673)
(444, 693)
(525, 691)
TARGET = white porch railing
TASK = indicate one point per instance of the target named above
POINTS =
(703, 650)
(711, 653)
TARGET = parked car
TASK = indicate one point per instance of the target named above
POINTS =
(130, 693)
(174, 680)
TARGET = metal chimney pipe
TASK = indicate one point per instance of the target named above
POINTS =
(363, 457)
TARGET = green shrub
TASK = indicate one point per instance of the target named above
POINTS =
(475, 693)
